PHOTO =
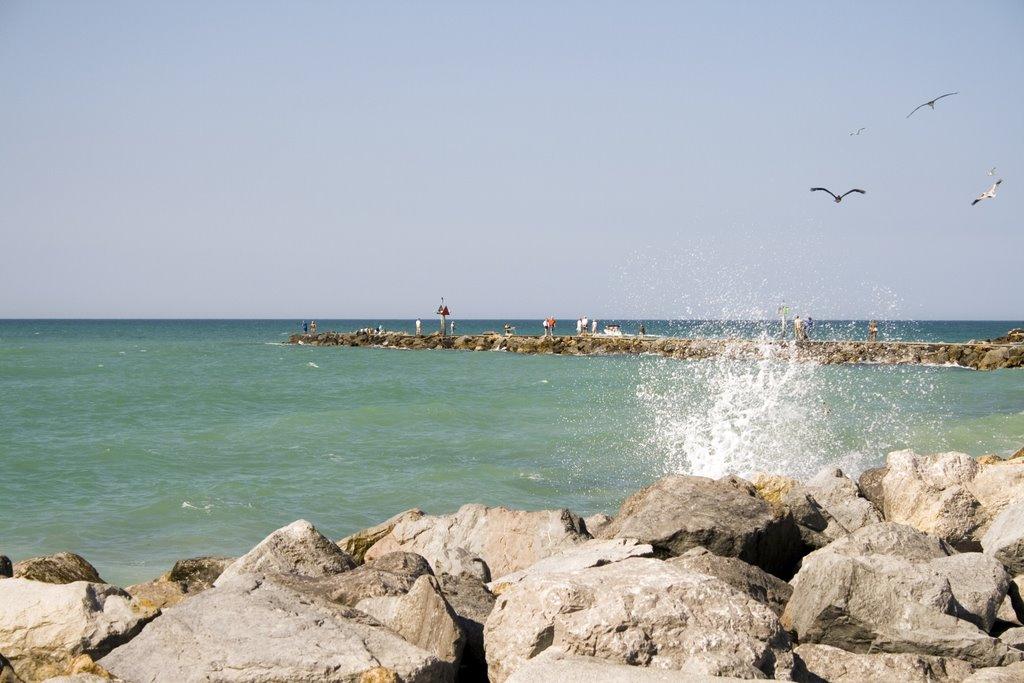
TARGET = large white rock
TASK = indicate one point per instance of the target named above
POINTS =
(639, 611)
(257, 631)
(593, 553)
(45, 626)
(507, 540)
(555, 665)
(1004, 540)
(294, 549)
(827, 663)
(887, 588)
(932, 493)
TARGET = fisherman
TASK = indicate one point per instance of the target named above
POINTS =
(798, 328)
(593, 327)
(643, 330)
(419, 327)
(872, 331)
(305, 327)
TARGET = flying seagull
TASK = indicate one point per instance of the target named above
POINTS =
(931, 103)
(990, 193)
(993, 171)
(858, 131)
(838, 198)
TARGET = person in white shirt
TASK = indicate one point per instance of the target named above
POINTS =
(593, 327)
(419, 327)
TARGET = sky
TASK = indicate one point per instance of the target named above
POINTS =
(651, 159)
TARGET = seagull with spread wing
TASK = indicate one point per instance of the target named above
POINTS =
(837, 197)
(858, 131)
(992, 171)
(990, 193)
(931, 103)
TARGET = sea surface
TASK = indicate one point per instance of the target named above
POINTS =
(136, 443)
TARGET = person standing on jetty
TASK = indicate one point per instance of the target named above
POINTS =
(305, 327)
(453, 328)
(579, 326)
(808, 327)
(585, 323)
(798, 328)
(593, 327)
(872, 331)
(642, 331)
(419, 327)
(783, 312)
(312, 327)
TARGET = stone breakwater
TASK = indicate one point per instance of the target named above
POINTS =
(913, 572)
(975, 355)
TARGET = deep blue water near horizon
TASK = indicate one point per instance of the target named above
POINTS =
(136, 443)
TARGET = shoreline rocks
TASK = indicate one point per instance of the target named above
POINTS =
(912, 573)
(990, 355)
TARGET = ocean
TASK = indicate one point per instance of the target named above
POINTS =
(137, 443)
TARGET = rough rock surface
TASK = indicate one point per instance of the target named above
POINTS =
(870, 485)
(423, 617)
(840, 497)
(507, 540)
(979, 585)
(999, 484)
(593, 553)
(252, 630)
(358, 543)
(555, 665)
(827, 663)
(151, 597)
(887, 588)
(1014, 673)
(57, 568)
(196, 574)
(1014, 637)
(390, 575)
(45, 626)
(932, 494)
(461, 562)
(295, 549)
(726, 516)
(639, 611)
(753, 581)
(1004, 539)
(187, 577)
(7, 674)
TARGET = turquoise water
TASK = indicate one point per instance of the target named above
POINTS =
(136, 443)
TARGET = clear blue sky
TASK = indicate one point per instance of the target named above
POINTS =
(314, 159)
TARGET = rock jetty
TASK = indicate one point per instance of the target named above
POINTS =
(1006, 352)
(912, 573)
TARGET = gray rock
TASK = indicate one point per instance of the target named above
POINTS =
(358, 543)
(1014, 673)
(57, 568)
(827, 663)
(747, 578)
(507, 540)
(461, 562)
(78, 678)
(870, 485)
(886, 587)
(726, 516)
(979, 584)
(1004, 540)
(1014, 637)
(592, 553)
(196, 574)
(151, 597)
(295, 549)
(840, 497)
(641, 612)
(555, 665)
(1007, 614)
(247, 629)
(932, 493)
(423, 617)
(390, 575)
(45, 626)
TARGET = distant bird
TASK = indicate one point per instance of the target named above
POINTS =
(858, 131)
(931, 103)
(990, 193)
(993, 171)
(838, 198)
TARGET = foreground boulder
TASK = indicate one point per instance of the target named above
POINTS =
(423, 617)
(555, 665)
(253, 630)
(889, 588)
(840, 497)
(507, 540)
(726, 516)
(57, 568)
(755, 582)
(7, 674)
(931, 493)
(826, 663)
(45, 626)
(1014, 673)
(295, 549)
(1004, 540)
(641, 612)
(472, 603)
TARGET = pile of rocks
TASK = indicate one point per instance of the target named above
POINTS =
(1006, 352)
(912, 573)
